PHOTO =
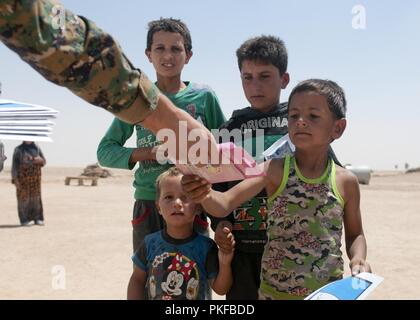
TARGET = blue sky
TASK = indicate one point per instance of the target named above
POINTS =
(377, 66)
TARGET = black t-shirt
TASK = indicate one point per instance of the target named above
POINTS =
(249, 220)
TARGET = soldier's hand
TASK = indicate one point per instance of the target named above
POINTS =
(196, 188)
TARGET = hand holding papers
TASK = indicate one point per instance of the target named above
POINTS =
(236, 164)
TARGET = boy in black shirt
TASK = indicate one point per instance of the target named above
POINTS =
(263, 63)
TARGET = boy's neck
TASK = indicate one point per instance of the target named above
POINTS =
(266, 109)
(312, 163)
(170, 85)
(179, 232)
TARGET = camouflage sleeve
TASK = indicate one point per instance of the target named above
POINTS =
(73, 52)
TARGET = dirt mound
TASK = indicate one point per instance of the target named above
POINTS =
(94, 170)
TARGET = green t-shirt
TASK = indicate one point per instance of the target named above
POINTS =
(199, 101)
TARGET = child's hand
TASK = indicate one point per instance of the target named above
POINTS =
(223, 236)
(196, 188)
(37, 160)
(359, 265)
(226, 255)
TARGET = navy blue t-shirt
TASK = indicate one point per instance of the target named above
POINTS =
(177, 269)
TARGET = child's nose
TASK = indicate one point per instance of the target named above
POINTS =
(178, 202)
(256, 84)
(167, 54)
(301, 122)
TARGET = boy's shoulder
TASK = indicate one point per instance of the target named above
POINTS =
(116, 122)
(250, 112)
(274, 170)
(200, 88)
(347, 183)
(153, 236)
(345, 175)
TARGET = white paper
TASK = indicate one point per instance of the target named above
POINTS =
(350, 288)
(280, 148)
(24, 137)
(25, 121)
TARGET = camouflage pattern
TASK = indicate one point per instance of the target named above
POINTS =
(304, 231)
(73, 52)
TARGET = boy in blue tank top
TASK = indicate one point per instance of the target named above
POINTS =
(309, 200)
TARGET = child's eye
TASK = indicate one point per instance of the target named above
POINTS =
(176, 49)
(247, 78)
(293, 116)
(314, 116)
(168, 197)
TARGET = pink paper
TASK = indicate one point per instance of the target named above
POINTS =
(237, 164)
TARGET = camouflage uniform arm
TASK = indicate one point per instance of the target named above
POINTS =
(73, 52)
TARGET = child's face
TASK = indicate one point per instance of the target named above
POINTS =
(174, 206)
(167, 53)
(262, 84)
(311, 122)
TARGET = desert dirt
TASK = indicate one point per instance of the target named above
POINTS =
(84, 249)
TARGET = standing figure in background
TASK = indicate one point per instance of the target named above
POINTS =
(2, 156)
(26, 176)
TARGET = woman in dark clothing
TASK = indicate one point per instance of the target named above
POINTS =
(26, 175)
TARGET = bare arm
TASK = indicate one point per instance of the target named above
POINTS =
(355, 239)
(220, 204)
(224, 279)
(223, 282)
(142, 154)
(177, 125)
(136, 285)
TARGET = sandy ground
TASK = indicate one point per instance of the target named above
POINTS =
(83, 251)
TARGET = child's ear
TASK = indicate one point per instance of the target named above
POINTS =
(147, 52)
(189, 55)
(339, 127)
(198, 209)
(157, 206)
(285, 80)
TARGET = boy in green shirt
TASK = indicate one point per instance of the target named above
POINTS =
(168, 49)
